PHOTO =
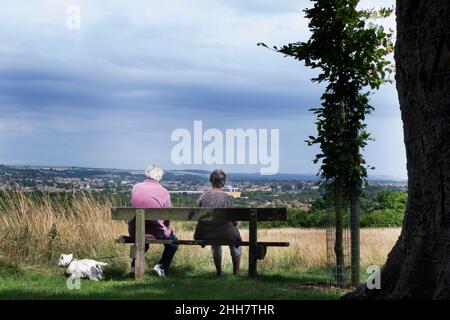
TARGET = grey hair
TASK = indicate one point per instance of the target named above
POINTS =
(154, 172)
(218, 178)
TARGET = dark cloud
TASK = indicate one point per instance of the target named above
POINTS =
(108, 93)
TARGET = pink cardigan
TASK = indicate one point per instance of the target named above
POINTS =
(150, 194)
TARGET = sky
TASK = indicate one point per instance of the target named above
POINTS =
(110, 93)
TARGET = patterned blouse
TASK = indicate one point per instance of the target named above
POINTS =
(216, 230)
(215, 199)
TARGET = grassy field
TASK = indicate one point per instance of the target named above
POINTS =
(49, 283)
(35, 232)
(286, 273)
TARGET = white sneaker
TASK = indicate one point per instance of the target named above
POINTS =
(158, 270)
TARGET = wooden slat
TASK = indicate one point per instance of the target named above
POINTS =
(206, 214)
(253, 240)
(140, 245)
(207, 242)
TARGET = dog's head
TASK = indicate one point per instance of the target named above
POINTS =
(65, 259)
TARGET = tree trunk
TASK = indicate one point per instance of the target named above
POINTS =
(339, 241)
(355, 236)
(418, 266)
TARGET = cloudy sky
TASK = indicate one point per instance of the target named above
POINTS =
(111, 93)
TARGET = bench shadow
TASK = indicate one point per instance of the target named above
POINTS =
(190, 272)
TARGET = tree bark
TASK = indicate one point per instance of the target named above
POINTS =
(418, 267)
(339, 233)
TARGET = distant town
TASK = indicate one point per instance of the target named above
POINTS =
(292, 190)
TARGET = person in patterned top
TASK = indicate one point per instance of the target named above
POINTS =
(219, 230)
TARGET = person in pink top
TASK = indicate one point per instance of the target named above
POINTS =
(150, 194)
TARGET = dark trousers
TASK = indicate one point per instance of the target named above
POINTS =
(168, 253)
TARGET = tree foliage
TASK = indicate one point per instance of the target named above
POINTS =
(351, 54)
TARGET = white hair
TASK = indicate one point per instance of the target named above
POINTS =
(154, 172)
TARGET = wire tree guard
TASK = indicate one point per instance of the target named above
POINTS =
(342, 237)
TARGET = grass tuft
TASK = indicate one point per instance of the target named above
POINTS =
(10, 269)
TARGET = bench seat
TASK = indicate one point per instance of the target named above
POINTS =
(127, 239)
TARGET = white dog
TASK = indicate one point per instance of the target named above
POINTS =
(85, 268)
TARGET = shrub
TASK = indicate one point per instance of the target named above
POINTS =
(297, 218)
(8, 268)
(382, 218)
(318, 219)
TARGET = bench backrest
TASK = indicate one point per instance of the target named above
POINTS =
(205, 214)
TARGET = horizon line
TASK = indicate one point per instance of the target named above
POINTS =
(374, 177)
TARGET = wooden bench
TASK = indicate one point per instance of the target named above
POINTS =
(257, 250)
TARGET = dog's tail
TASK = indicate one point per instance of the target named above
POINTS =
(101, 263)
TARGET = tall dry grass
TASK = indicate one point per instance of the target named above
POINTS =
(37, 230)
(307, 249)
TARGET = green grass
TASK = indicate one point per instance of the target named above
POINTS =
(50, 283)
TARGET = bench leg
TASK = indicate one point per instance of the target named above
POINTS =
(140, 244)
(253, 238)
(133, 251)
